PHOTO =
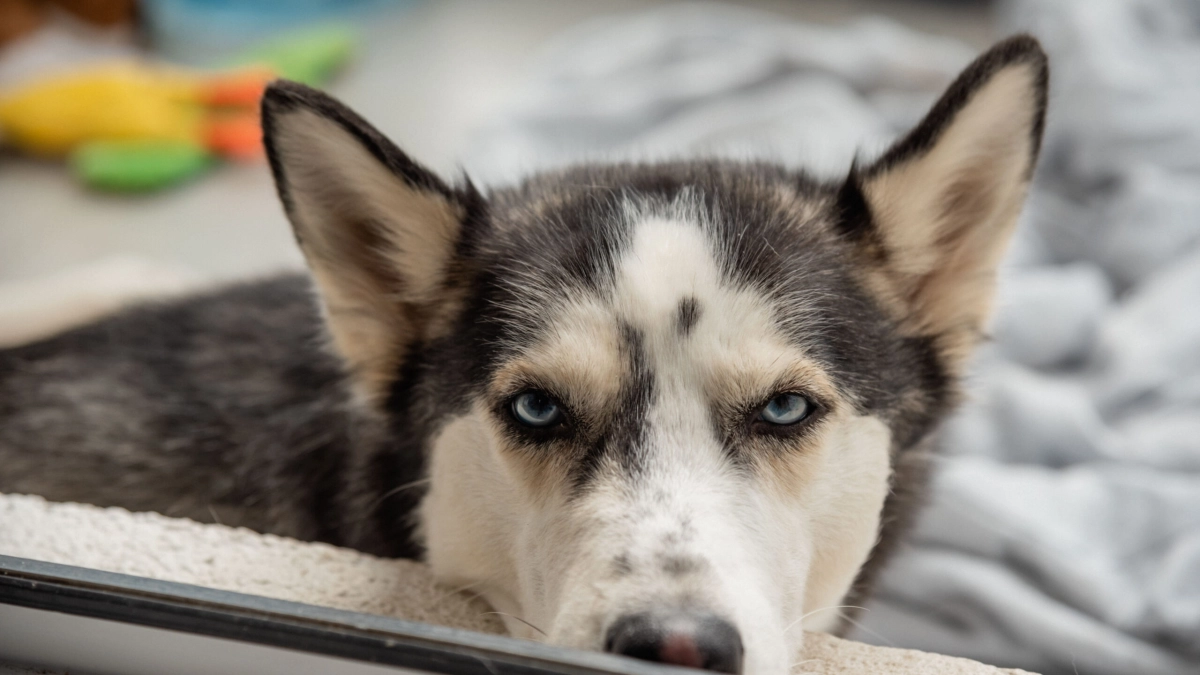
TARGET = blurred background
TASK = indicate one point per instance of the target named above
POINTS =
(1063, 534)
(428, 74)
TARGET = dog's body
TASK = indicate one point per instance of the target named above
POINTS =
(668, 410)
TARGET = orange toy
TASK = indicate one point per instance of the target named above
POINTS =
(129, 101)
(132, 126)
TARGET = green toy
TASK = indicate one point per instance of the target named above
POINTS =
(134, 127)
(138, 166)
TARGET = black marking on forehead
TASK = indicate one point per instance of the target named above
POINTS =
(673, 538)
(686, 316)
(624, 435)
(681, 565)
(561, 234)
(622, 566)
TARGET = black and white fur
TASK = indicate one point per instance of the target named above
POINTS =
(660, 306)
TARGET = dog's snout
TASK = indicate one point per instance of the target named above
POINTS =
(681, 639)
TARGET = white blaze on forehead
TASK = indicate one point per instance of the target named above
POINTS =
(735, 351)
(667, 261)
(671, 261)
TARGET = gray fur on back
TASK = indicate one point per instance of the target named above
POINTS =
(221, 407)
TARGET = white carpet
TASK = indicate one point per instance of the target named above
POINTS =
(173, 549)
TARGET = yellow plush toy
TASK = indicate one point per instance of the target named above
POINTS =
(135, 126)
(118, 102)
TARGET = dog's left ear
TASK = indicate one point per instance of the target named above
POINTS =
(933, 215)
(379, 231)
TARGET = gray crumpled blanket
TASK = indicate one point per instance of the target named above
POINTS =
(1064, 530)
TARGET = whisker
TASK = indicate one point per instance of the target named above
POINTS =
(401, 488)
(514, 616)
(213, 512)
(468, 589)
(824, 609)
(866, 630)
(800, 663)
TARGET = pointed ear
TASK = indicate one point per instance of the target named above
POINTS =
(934, 214)
(379, 232)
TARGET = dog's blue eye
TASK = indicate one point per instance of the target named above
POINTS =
(786, 409)
(536, 409)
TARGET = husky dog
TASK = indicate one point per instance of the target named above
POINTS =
(677, 411)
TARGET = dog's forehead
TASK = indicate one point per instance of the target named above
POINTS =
(565, 231)
(599, 259)
(768, 237)
(739, 259)
(672, 285)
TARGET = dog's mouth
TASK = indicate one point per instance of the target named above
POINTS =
(678, 637)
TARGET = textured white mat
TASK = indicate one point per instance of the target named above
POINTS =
(173, 549)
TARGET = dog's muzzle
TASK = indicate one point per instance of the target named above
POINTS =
(678, 638)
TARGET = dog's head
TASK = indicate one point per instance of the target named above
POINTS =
(662, 404)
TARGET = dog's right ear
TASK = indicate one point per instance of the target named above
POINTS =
(935, 212)
(378, 230)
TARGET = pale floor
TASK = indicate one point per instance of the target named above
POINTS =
(427, 76)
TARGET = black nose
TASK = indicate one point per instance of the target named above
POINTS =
(678, 638)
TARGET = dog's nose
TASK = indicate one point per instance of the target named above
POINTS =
(681, 639)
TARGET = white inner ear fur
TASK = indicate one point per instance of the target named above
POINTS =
(946, 214)
(373, 242)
